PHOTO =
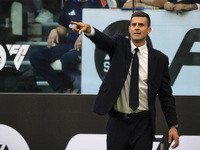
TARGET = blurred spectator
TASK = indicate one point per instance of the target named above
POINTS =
(182, 5)
(155, 3)
(152, 4)
(69, 52)
(120, 3)
(46, 9)
(112, 3)
(37, 10)
(5, 7)
(14, 15)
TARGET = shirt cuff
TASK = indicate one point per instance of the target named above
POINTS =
(175, 126)
(92, 32)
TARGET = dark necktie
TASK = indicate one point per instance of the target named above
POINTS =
(133, 97)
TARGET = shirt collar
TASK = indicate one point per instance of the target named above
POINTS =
(142, 48)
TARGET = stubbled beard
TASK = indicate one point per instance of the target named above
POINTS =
(138, 40)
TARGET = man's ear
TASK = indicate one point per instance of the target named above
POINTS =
(149, 30)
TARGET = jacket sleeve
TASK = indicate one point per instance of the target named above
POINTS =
(166, 98)
(103, 42)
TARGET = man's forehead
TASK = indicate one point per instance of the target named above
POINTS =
(139, 19)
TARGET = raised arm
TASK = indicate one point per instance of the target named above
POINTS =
(101, 40)
(81, 27)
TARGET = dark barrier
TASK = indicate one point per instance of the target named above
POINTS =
(48, 121)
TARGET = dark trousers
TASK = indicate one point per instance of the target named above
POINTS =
(129, 134)
(70, 60)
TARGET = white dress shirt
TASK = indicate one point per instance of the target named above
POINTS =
(122, 104)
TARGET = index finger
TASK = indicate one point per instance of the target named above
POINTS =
(176, 143)
(73, 22)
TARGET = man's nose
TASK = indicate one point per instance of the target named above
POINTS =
(136, 27)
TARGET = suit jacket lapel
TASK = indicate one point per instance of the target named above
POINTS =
(128, 55)
(151, 64)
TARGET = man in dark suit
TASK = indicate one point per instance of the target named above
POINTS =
(131, 125)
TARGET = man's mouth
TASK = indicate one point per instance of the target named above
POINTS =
(136, 33)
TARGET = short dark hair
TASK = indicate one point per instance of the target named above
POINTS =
(142, 14)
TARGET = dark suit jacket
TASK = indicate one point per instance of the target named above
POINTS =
(119, 49)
